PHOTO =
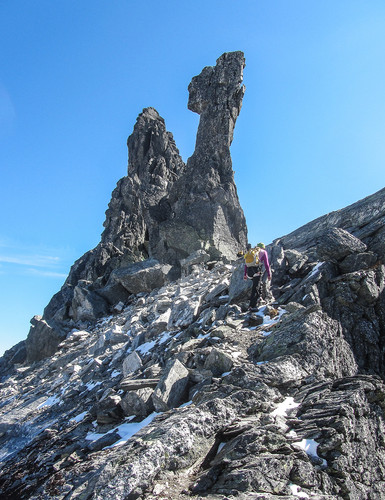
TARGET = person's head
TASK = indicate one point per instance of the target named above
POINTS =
(248, 247)
(261, 245)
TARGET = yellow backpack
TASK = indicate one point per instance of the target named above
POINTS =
(251, 258)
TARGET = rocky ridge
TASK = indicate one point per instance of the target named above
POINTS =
(178, 391)
(185, 393)
(164, 210)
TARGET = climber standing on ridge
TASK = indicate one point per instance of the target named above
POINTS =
(255, 260)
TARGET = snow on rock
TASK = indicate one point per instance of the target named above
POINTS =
(296, 491)
(285, 406)
(310, 447)
(52, 400)
(79, 417)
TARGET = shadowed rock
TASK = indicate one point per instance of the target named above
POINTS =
(42, 340)
(172, 387)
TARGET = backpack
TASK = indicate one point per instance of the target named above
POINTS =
(251, 258)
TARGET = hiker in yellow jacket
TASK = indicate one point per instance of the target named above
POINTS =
(255, 260)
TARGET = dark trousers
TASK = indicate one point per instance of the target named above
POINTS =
(256, 274)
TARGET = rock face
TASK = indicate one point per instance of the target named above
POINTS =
(364, 219)
(212, 207)
(42, 340)
(182, 392)
(336, 261)
(164, 211)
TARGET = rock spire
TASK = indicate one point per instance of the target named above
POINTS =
(212, 206)
(163, 211)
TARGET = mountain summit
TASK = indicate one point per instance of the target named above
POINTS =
(178, 390)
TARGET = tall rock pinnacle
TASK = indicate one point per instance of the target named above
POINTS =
(137, 202)
(216, 95)
(164, 210)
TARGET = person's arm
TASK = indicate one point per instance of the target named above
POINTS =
(265, 259)
(245, 273)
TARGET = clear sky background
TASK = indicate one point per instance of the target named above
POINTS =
(74, 75)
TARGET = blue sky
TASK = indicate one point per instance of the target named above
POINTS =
(74, 75)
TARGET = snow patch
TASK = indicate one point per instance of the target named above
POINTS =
(315, 270)
(146, 347)
(125, 431)
(165, 336)
(78, 333)
(91, 385)
(79, 417)
(185, 404)
(296, 491)
(267, 321)
(310, 447)
(283, 407)
(221, 445)
(52, 400)
(105, 320)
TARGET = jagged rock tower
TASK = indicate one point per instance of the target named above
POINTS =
(164, 210)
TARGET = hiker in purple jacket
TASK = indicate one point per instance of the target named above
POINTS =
(256, 261)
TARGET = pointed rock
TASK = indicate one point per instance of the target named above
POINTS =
(42, 340)
(131, 363)
(172, 387)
